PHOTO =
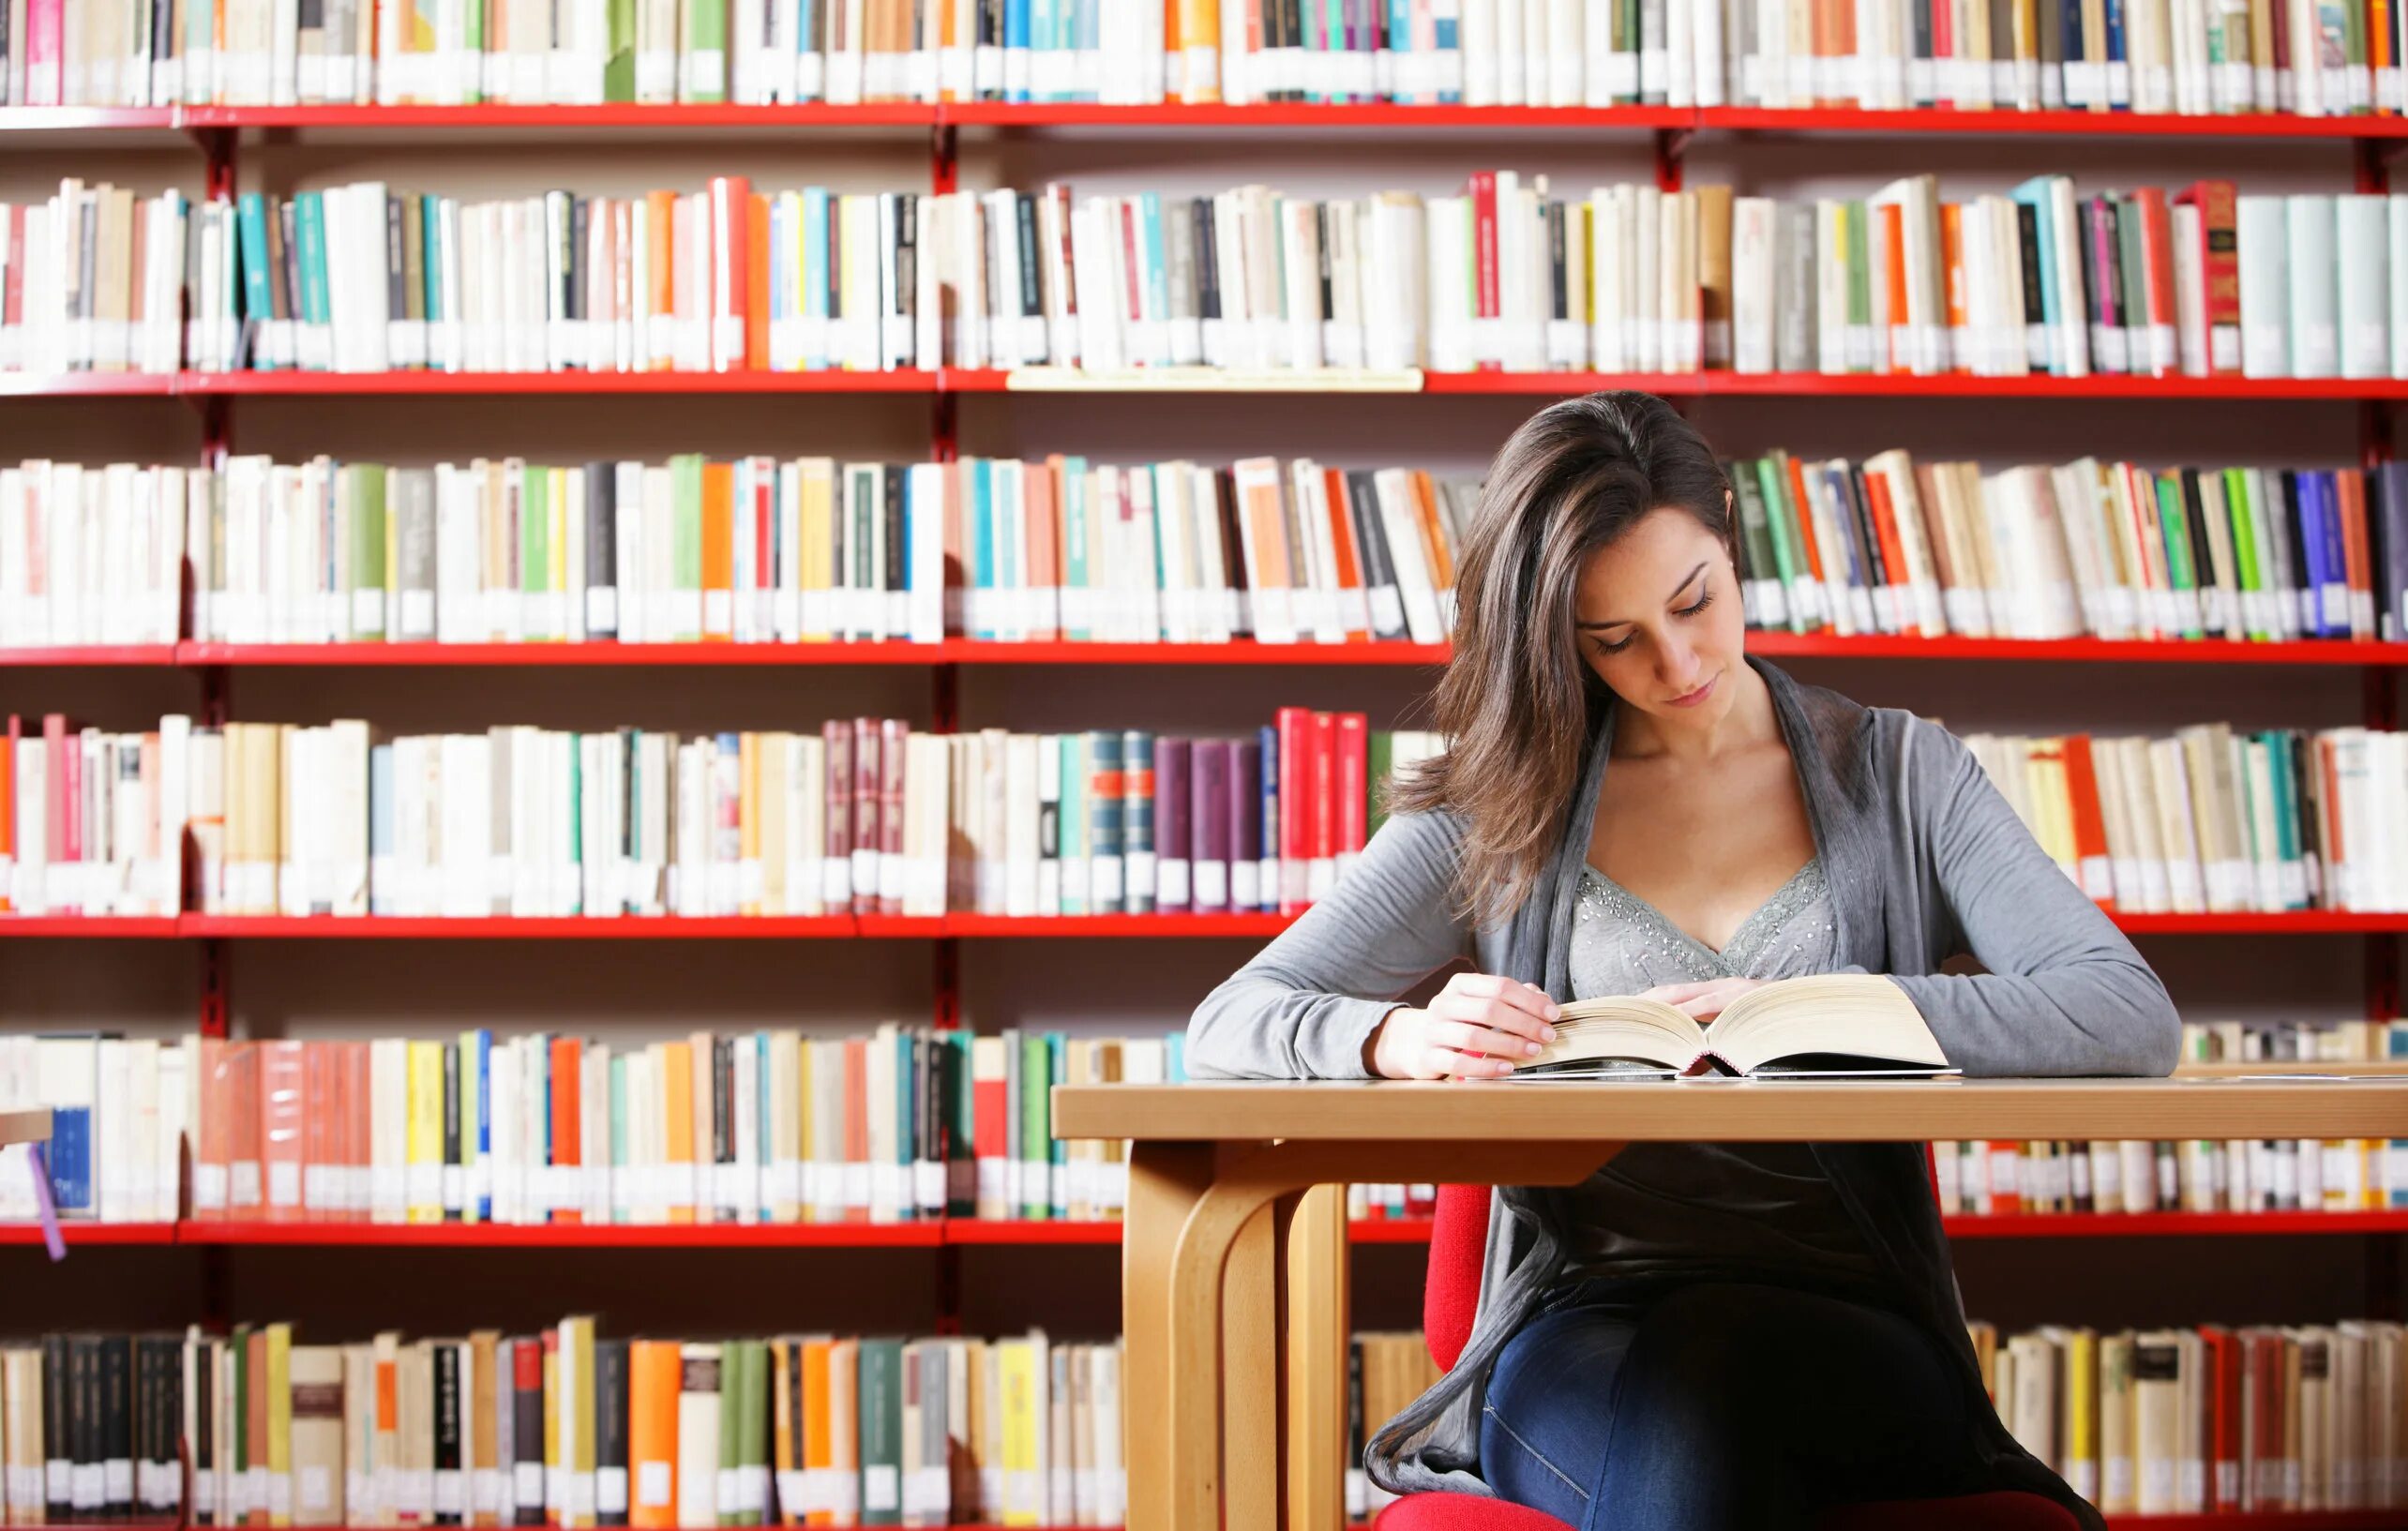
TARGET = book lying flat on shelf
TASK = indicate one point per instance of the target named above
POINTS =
(1849, 1024)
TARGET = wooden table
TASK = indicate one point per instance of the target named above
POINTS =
(24, 1127)
(1234, 1254)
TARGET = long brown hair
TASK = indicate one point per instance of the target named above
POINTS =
(1516, 703)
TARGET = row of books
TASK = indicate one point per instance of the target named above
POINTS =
(2114, 549)
(758, 549)
(563, 1427)
(2151, 56)
(2214, 819)
(868, 817)
(1509, 275)
(2211, 1418)
(753, 550)
(2007, 1178)
(898, 1124)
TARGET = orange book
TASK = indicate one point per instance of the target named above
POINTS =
(748, 879)
(757, 281)
(245, 1190)
(1266, 509)
(2090, 821)
(358, 1150)
(1425, 507)
(818, 1436)
(213, 1134)
(1897, 343)
(654, 1368)
(1038, 485)
(1884, 512)
(283, 1115)
(660, 237)
(2357, 555)
(1952, 271)
(567, 1060)
(856, 1116)
(677, 1099)
(1354, 612)
(718, 552)
(731, 281)
(1805, 512)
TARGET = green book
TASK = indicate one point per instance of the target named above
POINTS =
(1380, 761)
(1862, 344)
(1761, 563)
(880, 1391)
(685, 547)
(1787, 557)
(706, 52)
(366, 481)
(1036, 1125)
(317, 317)
(535, 548)
(751, 1434)
(2287, 850)
(1057, 1071)
(2181, 569)
(732, 1367)
(619, 67)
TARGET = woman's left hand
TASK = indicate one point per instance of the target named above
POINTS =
(1702, 1002)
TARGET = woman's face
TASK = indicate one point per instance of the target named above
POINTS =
(1657, 617)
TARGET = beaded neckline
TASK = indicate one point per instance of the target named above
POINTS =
(1602, 896)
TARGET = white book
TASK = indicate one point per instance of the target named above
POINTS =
(2362, 264)
(2310, 266)
(2263, 247)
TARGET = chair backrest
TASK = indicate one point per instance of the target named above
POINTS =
(1458, 1243)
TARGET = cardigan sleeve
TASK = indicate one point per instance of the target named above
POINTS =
(1302, 1007)
(2066, 994)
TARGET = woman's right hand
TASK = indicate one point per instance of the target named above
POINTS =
(1479, 1027)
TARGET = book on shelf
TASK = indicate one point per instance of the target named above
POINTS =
(1515, 273)
(1823, 1025)
(1896, 54)
(766, 1127)
(868, 817)
(2006, 1178)
(561, 1427)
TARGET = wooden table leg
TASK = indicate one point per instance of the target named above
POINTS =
(1313, 1395)
(1250, 1361)
(1165, 1180)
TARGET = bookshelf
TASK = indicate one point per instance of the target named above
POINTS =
(222, 136)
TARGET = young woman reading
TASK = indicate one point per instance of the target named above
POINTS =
(1701, 1336)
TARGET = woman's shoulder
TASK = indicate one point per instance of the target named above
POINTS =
(1879, 748)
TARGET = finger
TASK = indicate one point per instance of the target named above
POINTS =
(1472, 1037)
(1703, 1008)
(1676, 993)
(1449, 1062)
(1492, 1015)
(1506, 991)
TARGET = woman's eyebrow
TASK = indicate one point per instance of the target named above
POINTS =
(1685, 581)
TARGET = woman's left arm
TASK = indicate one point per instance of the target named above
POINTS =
(2066, 994)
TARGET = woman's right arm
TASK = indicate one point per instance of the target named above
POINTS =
(1308, 1003)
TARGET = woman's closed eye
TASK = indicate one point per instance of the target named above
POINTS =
(1704, 599)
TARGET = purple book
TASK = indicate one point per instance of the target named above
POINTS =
(1171, 822)
(1245, 825)
(1209, 825)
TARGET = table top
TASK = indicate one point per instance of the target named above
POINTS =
(24, 1127)
(1736, 1110)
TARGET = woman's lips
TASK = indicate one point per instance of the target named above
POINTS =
(1695, 697)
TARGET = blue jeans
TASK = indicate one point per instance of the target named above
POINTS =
(1624, 1406)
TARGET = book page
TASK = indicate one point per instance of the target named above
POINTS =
(1858, 1016)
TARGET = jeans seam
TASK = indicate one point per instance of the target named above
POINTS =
(1536, 1455)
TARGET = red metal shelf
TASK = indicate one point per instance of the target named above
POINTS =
(917, 1235)
(2293, 922)
(2009, 124)
(77, 1233)
(2268, 1520)
(2203, 652)
(503, 927)
(1381, 115)
(570, 385)
(99, 653)
(1896, 385)
(617, 116)
(2146, 1225)
(86, 119)
(79, 926)
(1032, 1231)
(963, 923)
(85, 385)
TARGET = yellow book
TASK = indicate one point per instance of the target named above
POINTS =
(280, 1424)
(816, 574)
(2081, 1421)
(556, 1466)
(1023, 1369)
(556, 576)
(577, 1420)
(677, 1147)
(749, 869)
(805, 1177)
(770, 804)
(1199, 34)
(426, 1132)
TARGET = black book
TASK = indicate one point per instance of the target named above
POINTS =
(1379, 567)
(2387, 520)
(601, 549)
(1558, 277)
(609, 1432)
(2036, 313)
(928, 1051)
(723, 1116)
(116, 1422)
(894, 579)
(2301, 591)
(449, 1494)
(1328, 300)
(1033, 287)
(1207, 263)
(453, 1162)
(1865, 548)
(201, 1405)
(1224, 491)
(58, 1445)
(85, 1435)
(2205, 567)
(2310, 794)
(2097, 284)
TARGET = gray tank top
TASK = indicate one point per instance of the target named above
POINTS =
(1708, 1210)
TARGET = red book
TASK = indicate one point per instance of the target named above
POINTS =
(2220, 261)
(2090, 821)
(568, 1056)
(1899, 590)
(1490, 305)
(988, 1142)
(1324, 780)
(756, 288)
(45, 55)
(2263, 1396)
(2006, 1177)
(2160, 356)
(892, 761)
(62, 785)
(730, 284)
(1044, 574)
(2221, 1445)
(357, 1151)
(1354, 602)
(239, 1090)
(283, 1116)
(857, 1167)
(2357, 553)
(1354, 787)
(1295, 726)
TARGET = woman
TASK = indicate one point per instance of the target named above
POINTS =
(1701, 1335)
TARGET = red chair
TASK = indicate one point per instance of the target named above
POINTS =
(1458, 1236)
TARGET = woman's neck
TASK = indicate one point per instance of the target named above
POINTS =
(1744, 722)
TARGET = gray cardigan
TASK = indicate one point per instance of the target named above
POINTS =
(1925, 861)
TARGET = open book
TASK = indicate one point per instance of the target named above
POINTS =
(1823, 1025)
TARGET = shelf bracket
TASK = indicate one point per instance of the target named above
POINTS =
(1671, 144)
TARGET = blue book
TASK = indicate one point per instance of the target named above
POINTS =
(1267, 894)
(1015, 50)
(1058, 1060)
(380, 829)
(259, 293)
(906, 1118)
(981, 514)
(2034, 194)
(1106, 888)
(1174, 1051)
(2314, 515)
(1156, 268)
(2335, 592)
(1137, 817)
(1445, 30)
(815, 279)
(1045, 42)
(2399, 1050)
(476, 1067)
(1397, 34)
(2119, 72)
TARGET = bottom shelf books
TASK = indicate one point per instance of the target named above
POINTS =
(562, 1428)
